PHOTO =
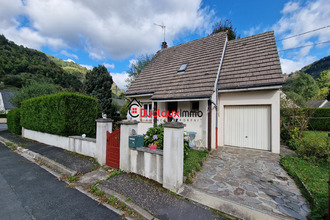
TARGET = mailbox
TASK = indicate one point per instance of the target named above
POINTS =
(136, 141)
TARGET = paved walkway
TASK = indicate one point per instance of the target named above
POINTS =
(253, 178)
(158, 202)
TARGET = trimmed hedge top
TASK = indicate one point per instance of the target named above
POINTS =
(64, 114)
(320, 119)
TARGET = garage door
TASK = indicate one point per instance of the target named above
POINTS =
(247, 126)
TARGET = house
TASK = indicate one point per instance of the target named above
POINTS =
(226, 92)
(5, 104)
(318, 104)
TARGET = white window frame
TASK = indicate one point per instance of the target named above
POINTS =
(148, 110)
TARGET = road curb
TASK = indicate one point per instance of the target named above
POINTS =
(51, 163)
(130, 204)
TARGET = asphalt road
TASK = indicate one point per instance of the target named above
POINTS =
(30, 192)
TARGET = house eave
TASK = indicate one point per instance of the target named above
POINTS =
(138, 95)
(181, 99)
(242, 89)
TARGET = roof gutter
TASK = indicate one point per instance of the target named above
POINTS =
(139, 95)
(216, 89)
(179, 100)
(250, 89)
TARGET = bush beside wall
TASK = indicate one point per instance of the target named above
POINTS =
(320, 120)
(64, 114)
(13, 121)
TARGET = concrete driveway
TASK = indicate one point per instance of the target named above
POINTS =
(252, 178)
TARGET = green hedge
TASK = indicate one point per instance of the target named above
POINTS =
(13, 121)
(320, 120)
(63, 114)
(3, 115)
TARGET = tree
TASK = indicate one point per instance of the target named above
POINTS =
(98, 84)
(304, 85)
(33, 90)
(136, 68)
(223, 26)
(324, 84)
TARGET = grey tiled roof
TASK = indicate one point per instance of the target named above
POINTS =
(315, 104)
(248, 62)
(160, 76)
(6, 99)
(251, 62)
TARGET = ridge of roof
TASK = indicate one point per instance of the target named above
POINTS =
(193, 41)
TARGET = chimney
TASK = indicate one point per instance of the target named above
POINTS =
(164, 45)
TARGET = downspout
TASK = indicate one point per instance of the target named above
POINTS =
(216, 89)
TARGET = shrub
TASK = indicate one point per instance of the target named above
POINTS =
(154, 135)
(14, 122)
(63, 114)
(32, 91)
(320, 120)
(314, 144)
(293, 144)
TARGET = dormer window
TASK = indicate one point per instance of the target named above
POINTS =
(183, 68)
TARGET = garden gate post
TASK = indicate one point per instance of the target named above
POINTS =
(173, 156)
(126, 128)
(102, 126)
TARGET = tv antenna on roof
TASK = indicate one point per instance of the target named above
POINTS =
(163, 28)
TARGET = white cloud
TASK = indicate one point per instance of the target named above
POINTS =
(132, 62)
(69, 60)
(252, 31)
(106, 29)
(298, 18)
(107, 65)
(290, 7)
(66, 53)
(289, 66)
(120, 79)
(89, 67)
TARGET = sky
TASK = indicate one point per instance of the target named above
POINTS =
(115, 33)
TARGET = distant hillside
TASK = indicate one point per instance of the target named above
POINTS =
(20, 65)
(69, 66)
(115, 90)
(317, 67)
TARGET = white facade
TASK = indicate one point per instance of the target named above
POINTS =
(252, 104)
(193, 123)
(259, 110)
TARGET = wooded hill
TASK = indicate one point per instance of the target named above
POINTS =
(317, 67)
(20, 65)
(312, 82)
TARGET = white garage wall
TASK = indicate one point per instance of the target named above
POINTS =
(264, 97)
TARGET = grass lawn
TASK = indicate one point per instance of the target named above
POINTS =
(316, 135)
(192, 162)
(315, 177)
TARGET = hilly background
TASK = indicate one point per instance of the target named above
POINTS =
(19, 66)
(310, 83)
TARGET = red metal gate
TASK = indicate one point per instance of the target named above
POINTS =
(113, 148)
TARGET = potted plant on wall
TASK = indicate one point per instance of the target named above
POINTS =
(153, 139)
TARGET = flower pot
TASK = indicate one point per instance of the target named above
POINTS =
(152, 147)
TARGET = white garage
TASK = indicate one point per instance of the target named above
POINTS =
(250, 119)
(247, 126)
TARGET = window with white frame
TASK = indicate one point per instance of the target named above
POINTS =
(148, 109)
